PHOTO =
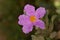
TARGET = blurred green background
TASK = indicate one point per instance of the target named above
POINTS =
(11, 9)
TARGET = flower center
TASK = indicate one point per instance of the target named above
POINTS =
(32, 18)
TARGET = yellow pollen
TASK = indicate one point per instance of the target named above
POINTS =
(32, 18)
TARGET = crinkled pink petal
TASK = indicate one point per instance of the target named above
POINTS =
(40, 12)
(29, 10)
(24, 20)
(27, 28)
(40, 24)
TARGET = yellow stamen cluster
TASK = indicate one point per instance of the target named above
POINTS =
(32, 18)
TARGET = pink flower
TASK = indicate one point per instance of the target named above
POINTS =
(31, 18)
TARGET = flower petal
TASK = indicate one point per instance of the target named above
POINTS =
(27, 28)
(40, 12)
(29, 9)
(40, 24)
(23, 20)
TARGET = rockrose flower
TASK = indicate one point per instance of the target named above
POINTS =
(31, 18)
